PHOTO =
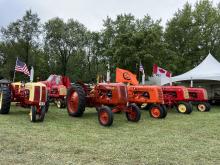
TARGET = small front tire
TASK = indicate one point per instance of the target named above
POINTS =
(105, 116)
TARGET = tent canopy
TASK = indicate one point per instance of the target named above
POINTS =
(208, 69)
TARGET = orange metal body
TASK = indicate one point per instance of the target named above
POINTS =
(140, 94)
(111, 94)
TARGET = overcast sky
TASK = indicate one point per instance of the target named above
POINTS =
(90, 12)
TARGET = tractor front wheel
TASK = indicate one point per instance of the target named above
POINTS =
(184, 107)
(133, 113)
(42, 113)
(203, 107)
(5, 100)
(105, 116)
(157, 111)
(33, 114)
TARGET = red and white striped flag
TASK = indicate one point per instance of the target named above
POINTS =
(21, 67)
(160, 72)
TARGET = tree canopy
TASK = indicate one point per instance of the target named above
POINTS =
(69, 48)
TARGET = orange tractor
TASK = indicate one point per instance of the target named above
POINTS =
(151, 97)
(105, 97)
(33, 95)
(57, 89)
(199, 98)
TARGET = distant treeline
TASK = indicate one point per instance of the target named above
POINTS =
(69, 48)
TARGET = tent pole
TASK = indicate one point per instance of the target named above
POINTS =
(191, 82)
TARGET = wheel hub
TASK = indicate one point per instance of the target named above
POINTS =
(155, 112)
(104, 117)
(182, 108)
(201, 107)
(73, 102)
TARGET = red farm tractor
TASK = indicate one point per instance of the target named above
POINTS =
(105, 97)
(151, 97)
(178, 97)
(33, 95)
(199, 98)
(57, 89)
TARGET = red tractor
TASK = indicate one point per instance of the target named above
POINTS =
(57, 89)
(199, 97)
(177, 96)
(149, 96)
(105, 97)
(33, 95)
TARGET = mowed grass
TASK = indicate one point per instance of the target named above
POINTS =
(61, 139)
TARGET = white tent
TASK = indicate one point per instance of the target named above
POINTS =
(208, 69)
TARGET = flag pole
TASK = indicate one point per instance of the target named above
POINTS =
(15, 70)
(14, 76)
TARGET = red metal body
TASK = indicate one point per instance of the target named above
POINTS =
(174, 94)
(21, 95)
(57, 88)
(197, 94)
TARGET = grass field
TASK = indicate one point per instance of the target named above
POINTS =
(60, 139)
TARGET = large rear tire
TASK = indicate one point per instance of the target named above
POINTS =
(133, 113)
(105, 116)
(76, 101)
(184, 107)
(5, 99)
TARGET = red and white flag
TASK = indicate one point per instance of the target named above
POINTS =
(160, 72)
(21, 67)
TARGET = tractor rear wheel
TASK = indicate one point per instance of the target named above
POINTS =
(105, 116)
(76, 101)
(33, 114)
(133, 113)
(5, 99)
(165, 110)
(157, 111)
(184, 107)
(203, 107)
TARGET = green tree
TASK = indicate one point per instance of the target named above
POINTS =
(192, 33)
(24, 32)
(63, 40)
(20, 39)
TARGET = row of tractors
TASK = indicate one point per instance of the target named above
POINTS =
(107, 98)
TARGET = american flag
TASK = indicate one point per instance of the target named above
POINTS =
(141, 68)
(21, 67)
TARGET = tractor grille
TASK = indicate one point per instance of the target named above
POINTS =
(36, 93)
(186, 93)
(205, 95)
(123, 92)
(160, 94)
(43, 98)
